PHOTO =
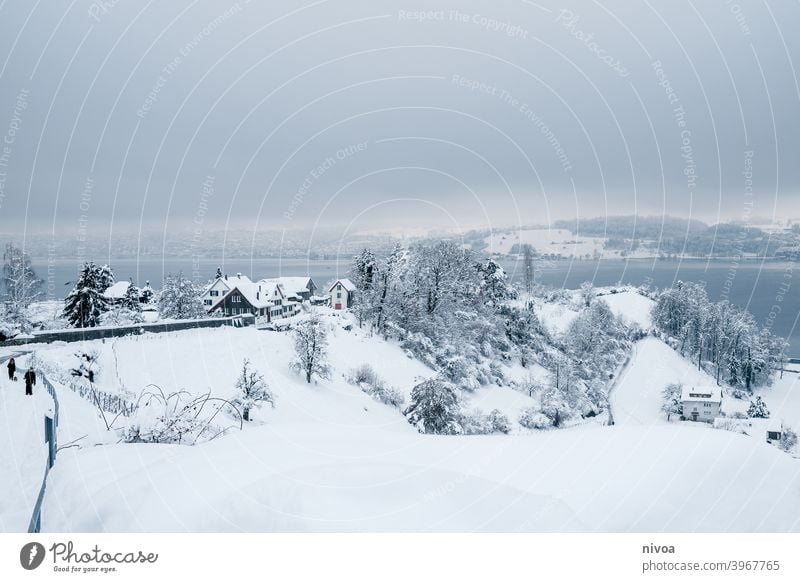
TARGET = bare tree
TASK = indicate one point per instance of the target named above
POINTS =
(311, 348)
(251, 390)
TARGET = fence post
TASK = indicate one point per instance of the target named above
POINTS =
(50, 439)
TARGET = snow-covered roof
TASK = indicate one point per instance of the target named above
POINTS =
(291, 285)
(260, 294)
(117, 290)
(348, 285)
(701, 394)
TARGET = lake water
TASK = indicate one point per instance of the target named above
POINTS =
(768, 290)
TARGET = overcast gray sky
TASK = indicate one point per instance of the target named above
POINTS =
(392, 114)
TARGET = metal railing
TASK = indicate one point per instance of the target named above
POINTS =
(51, 438)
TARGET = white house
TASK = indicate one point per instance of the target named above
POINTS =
(342, 294)
(217, 289)
(701, 403)
(238, 295)
(298, 289)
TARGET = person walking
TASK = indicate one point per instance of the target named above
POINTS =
(12, 368)
(30, 381)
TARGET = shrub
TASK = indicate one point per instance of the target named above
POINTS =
(533, 419)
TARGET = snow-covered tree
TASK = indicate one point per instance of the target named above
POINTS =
(758, 408)
(146, 294)
(494, 286)
(434, 408)
(587, 293)
(252, 390)
(180, 299)
(86, 302)
(131, 300)
(21, 286)
(363, 271)
(311, 349)
(528, 271)
(672, 400)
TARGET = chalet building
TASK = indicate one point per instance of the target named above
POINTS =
(701, 403)
(297, 289)
(342, 294)
(267, 299)
(218, 289)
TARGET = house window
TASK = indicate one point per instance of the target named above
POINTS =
(236, 298)
(207, 302)
(339, 295)
(214, 293)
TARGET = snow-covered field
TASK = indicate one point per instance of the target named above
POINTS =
(545, 241)
(330, 458)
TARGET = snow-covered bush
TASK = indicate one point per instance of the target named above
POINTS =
(788, 440)
(364, 374)
(533, 419)
(758, 408)
(477, 423)
(434, 408)
(367, 379)
(500, 422)
(175, 418)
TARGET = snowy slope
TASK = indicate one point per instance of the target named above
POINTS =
(631, 307)
(336, 478)
(329, 458)
(636, 397)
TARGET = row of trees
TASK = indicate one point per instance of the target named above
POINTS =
(718, 336)
(87, 305)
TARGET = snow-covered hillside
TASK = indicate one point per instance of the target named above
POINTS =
(328, 457)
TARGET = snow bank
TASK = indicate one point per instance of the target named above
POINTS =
(280, 478)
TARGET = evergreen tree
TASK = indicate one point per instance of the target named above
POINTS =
(434, 408)
(147, 293)
(130, 300)
(493, 282)
(364, 270)
(86, 302)
(758, 408)
(180, 299)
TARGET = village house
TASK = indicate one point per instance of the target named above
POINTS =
(297, 289)
(267, 299)
(342, 294)
(701, 403)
